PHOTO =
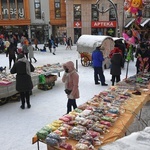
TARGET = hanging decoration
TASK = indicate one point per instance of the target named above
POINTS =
(134, 7)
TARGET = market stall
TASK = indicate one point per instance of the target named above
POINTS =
(8, 81)
(88, 43)
(101, 120)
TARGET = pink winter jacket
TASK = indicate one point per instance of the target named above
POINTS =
(71, 80)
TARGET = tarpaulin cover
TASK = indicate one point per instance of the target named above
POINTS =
(87, 43)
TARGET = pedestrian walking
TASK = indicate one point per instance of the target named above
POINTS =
(71, 80)
(97, 60)
(64, 40)
(69, 43)
(54, 44)
(117, 63)
(36, 44)
(25, 50)
(11, 53)
(24, 84)
(50, 45)
(31, 53)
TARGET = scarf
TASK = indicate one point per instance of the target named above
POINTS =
(28, 70)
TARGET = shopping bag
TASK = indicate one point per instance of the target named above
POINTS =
(42, 79)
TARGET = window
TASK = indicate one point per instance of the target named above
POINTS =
(112, 14)
(12, 9)
(57, 9)
(146, 12)
(77, 12)
(20, 9)
(37, 7)
(97, 31)
(95, 13)
(5, 11)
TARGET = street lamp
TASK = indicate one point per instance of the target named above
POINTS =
(104, 11)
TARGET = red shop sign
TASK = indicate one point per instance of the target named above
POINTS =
(103, 24)
(77, 24)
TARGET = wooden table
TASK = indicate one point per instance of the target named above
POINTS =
(131, 108)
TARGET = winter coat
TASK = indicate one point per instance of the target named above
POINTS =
(69, 42)
(97, 58)
(23, 80)
(116, 49)
(31, 53)
(71, 80)
(116, 64)
(25, 49)
(143, 59)
(11, 51)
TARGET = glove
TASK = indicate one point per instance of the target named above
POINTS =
(66, 74)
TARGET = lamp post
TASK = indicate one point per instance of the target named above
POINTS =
(106, 10)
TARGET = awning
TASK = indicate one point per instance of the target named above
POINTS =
(129, 23)
(145, 22)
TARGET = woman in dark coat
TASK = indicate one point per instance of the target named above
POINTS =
(116, 65)
(24, 85)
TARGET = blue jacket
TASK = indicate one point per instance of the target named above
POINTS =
(97, 58)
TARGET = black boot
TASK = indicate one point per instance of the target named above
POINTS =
(35, 60)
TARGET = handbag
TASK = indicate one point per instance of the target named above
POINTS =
(67, 91)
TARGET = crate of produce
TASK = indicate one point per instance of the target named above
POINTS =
(46, 86)
(50, 78)
(46, 82)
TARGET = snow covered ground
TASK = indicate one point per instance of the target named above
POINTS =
(17, 127)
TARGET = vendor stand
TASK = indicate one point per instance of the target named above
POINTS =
(129, 105)
(8, 81)
(86, 44)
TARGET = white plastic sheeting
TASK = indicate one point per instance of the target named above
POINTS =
(135, 141)
(87, 43)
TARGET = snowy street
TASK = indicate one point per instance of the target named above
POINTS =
(17, 126)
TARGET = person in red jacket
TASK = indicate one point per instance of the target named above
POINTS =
(71, 80)
(116, 48)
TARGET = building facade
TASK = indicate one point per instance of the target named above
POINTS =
(45, 19)
(40, 17)
(83, 17)
(14, 17)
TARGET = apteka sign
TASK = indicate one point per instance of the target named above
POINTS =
(103, 24)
